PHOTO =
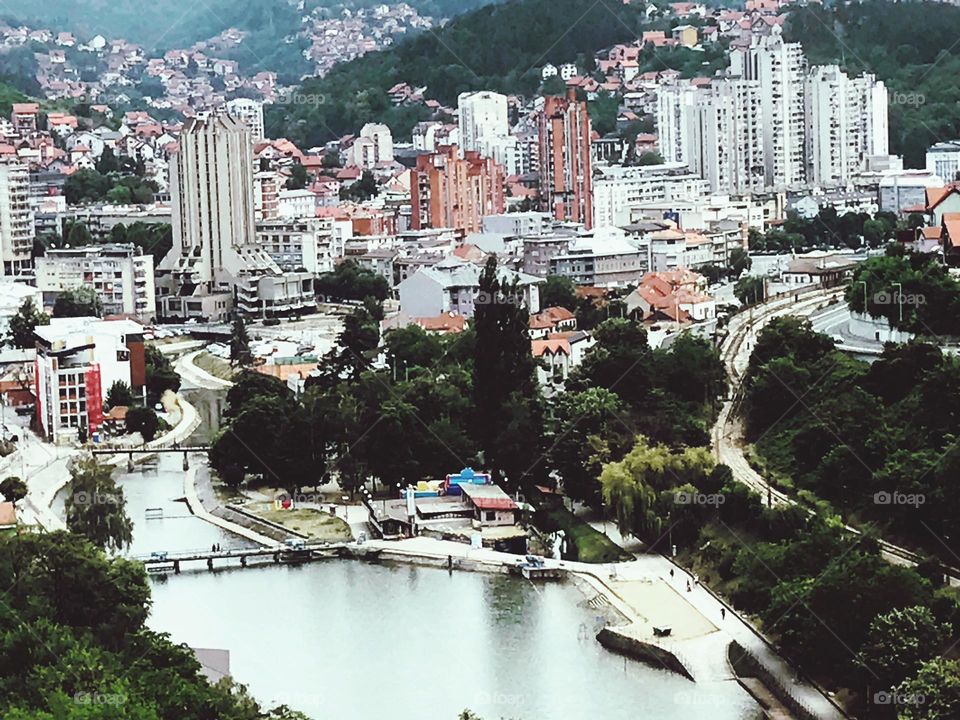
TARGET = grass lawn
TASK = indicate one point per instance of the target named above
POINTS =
(315, 523)
(592, 545)
(214, 365)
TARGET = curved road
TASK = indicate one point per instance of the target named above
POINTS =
(727, 438)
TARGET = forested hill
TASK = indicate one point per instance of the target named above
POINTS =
(911, 46)
(496, 47)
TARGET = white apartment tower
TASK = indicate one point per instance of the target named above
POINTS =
(16, 218)
(373, 146)
(846, 124)
(778, 67)
(214, 241)
(482, 114)
(250, 112)
(726, 137)
(872, 110)
(675, 106)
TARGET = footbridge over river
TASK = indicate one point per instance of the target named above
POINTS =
(165, 562)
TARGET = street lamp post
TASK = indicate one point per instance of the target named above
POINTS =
(900, 299)
(864, 283)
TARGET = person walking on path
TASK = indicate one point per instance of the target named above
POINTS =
(723, 613)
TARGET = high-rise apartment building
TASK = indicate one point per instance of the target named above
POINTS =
(249, 111)
(846, 123)
(565, 166)
(726, 137)
(447, 191)
(16, 219)
(373, 146)
(483, 114)
(778, 67)
(675, 106)
(214, 242)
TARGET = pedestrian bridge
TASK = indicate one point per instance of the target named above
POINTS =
(163, 561)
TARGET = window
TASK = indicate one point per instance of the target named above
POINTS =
(490, 515)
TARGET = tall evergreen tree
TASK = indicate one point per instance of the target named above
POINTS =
(508, 403)
(240, 344)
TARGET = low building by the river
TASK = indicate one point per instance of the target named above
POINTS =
(468, 508)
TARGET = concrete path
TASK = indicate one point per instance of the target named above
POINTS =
(45, 467)
(196, 375)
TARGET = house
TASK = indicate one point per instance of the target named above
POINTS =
(942, 200)
(558, 353)
(491, 506)
(685, 35)
(821, 269)
(551, 320)
(675, 295)
(950, 238)
(453, 286)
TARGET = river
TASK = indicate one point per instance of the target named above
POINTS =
(354, 641)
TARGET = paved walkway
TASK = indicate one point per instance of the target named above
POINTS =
(45, 467)
(196, 375)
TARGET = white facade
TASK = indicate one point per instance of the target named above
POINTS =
(675, 107)
(846, 124)
(250, 112)
(943, 159)
(373, 146)
(296, 204)
(617, 188)
(215, 258)
(482, 114)
(778, 67)
(604, 258)
(119, 273)
(506, 150)
(453, 286)
(517, 224)
(16, 219)
(726, 137)
(312, 244)
(78, 359)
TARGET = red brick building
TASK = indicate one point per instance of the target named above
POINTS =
(447, 191)
(565, 173)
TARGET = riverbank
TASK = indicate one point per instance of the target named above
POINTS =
(46, 468)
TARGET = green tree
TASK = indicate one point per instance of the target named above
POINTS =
(22, 325)
(80, 302)
(363, 189)
(13, 488)
(160, 375)
(650, 157)
(507, 420)
(240, 344)
(107, 162)
(79, 235)
(119, 395)
(143, 420)
(349, 281)
(900, 641)
(739, 262)
(641, 488)
(750, 289)
(559, 291)
(938, 684)
(96, 506)
(298, 177)
(588, 432)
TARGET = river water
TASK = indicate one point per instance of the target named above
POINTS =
(349, 640)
